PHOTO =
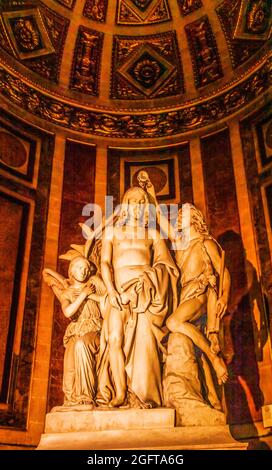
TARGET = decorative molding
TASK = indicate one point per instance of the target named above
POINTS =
(136, 12)
(188, 6)
(204, 52)
(96, 10)
(145, 67)
(86, 64)
(137, 125)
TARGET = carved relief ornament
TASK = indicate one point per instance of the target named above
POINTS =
(141, 125)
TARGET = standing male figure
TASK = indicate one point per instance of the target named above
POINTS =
(138, 272)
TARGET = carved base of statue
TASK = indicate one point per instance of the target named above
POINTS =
(116, 428)
(101, 419)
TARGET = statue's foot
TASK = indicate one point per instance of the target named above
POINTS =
(117, 401)
(220, 370)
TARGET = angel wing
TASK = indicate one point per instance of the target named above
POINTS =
(91, 250)
(56, 281)
(92, 247)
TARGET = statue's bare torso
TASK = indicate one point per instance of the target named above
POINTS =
(132, 252)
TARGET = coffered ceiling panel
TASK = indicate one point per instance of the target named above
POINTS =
(35, 36)
(144, 67)
(246, 25)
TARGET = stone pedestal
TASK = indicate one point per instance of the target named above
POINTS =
(130, 429)
(109, 419)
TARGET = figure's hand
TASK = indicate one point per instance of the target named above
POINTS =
(90, 289)
(221, 307)
(145, 184)
(115, 300)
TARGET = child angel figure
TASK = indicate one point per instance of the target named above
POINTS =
(81, 297)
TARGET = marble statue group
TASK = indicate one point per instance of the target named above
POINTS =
(144, 318)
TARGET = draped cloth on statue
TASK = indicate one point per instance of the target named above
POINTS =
(143, 316)
(79, 371)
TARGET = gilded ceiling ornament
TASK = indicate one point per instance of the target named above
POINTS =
(33, 102)
(188, 6)
(96, 10)
(81, 119)
(147, 71)
(13, 88)
(56, 112)
(146, 67)
(26, 34)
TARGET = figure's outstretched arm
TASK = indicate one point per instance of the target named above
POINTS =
(162, 220)
(216, 257)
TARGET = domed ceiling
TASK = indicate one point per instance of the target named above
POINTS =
(134, 68)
